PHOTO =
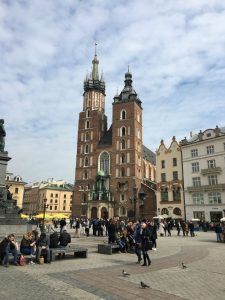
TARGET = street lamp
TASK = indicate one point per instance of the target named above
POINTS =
(45, 206)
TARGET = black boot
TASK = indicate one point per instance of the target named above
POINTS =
(144, 264)
(149, 261)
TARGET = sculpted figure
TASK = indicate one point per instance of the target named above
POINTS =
(2, 135)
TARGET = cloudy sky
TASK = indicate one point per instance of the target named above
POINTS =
(175, 50)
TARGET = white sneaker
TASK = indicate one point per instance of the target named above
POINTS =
(154, 249)
(31, 263)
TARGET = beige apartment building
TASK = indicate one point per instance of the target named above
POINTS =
(169, 180)
(57, 195)
(204, 174)
(15, 184)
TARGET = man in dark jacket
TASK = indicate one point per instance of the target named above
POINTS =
(8, 245)
(43, 244)
(64, 238)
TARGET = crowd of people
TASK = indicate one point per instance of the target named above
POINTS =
(134, 237)
(33, 244)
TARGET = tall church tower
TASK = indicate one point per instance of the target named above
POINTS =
(91, 128)
(127, 147)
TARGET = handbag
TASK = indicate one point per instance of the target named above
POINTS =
(149, 245)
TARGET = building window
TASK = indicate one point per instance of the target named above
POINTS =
(162, 164)
(164, 211)
(123, 211)
(214, 198)
(50, 207)
(86, 149)
(164, 194)
(88, 113)
(195, 167)
(16, 190)
(87, 125)
(104, 162)
(122, 172)
(85, 175)
(55, 207)
(199, 215)
(56, 195)
(212, 179)
(211, 163)
(175, 175)
(177, 211)
(196, 181)
(123, 144)
(198, 198)
(123, 131)
(86, 162)
(194, 152)
(210, 149)
(51, 200)
(122, 197)
(64, 208)
(123, 115)
(123, 160)
(163, 176)
(51, 194)
(56, 200)
(87, 136)
(174, 162)
(64, 196)
(176, 194)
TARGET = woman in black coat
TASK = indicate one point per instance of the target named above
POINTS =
(145, 239)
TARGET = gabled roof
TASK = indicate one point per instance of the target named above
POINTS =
(148, 155)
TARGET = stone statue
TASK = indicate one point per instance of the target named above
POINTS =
(2, 135)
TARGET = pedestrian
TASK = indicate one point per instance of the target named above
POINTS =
(218, 231)
(77, 228)
(145, 240)
(43, 245)
(178, 228)
(137, 237)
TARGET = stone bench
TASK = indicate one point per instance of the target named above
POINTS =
(108, 248)
(62, 251)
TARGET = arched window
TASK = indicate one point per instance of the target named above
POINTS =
(104, 162)
(85, 175)
(86, 162)
(123, 144)
(123, 114)
(123, 211)
(87, 124)
(122, 172)
(88, 113)
(177, 211)
(86, 149)
(123, 160)
(87, 136)
(123, 131)
(164, 211)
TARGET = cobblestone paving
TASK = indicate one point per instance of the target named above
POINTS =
(100, 276)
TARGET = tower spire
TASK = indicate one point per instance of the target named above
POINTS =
(95, 63)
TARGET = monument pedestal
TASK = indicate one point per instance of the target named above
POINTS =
(10, 221)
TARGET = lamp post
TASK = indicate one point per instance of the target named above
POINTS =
(45, 206)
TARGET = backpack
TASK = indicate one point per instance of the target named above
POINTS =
(54, 240)
(21, 260)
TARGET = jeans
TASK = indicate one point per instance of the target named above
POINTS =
(6, 256)
(39, 250)
(27, 250)
(218, 237)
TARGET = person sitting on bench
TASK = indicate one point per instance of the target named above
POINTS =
(64, 238)
(43, 244)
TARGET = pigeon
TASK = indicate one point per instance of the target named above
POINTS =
(125, 273)
(144, 285)
(184, 266)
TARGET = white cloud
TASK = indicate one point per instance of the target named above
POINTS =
(175, 49)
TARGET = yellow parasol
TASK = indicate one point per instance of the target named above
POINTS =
(59, 216)
(23, 216)
(41, 216)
